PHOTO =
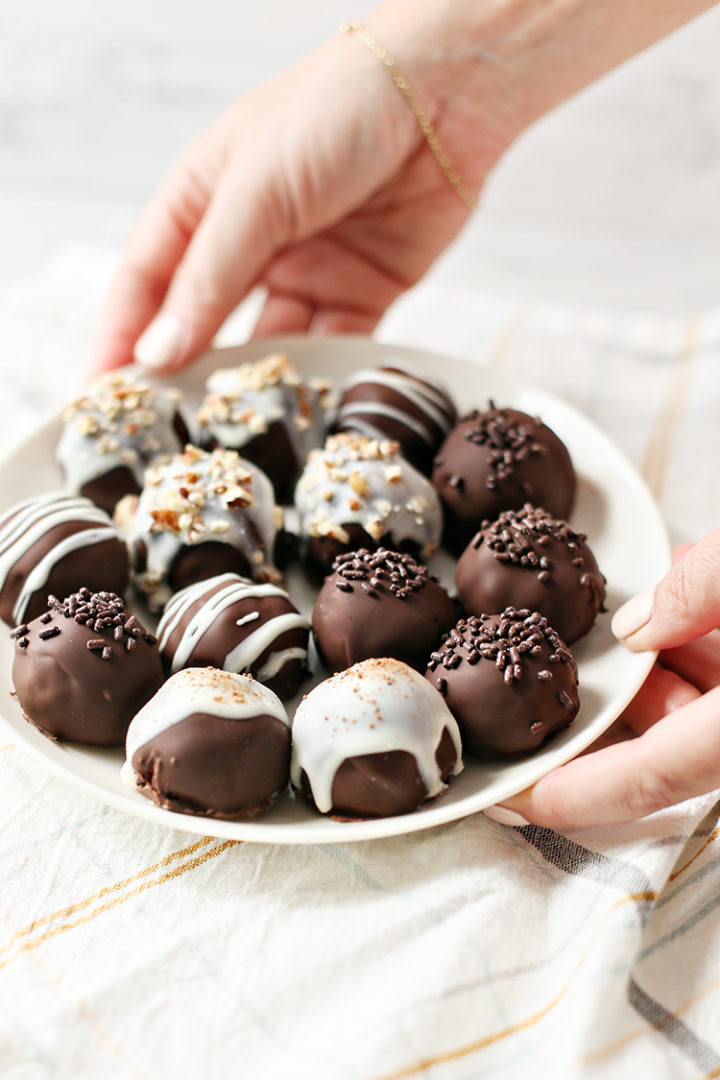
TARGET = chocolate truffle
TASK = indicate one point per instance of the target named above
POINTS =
(509, 681)
(54, 544)
(199, 514)
(84, 668)
(113, 432)
(374, 740)
(239, 625)
(211, 743)
(499, 460)
(380, 603)
(388, 403)
(360, 492)
(529, 559)
(266, 412)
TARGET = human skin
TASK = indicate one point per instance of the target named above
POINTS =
(321, 187)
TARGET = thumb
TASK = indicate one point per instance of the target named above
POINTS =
(682, 607)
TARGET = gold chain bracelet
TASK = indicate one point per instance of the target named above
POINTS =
(426, 126)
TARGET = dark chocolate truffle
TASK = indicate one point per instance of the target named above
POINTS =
(199, 514)
(84, 668)
(373, 741)
(265, 411)
(388, 403)
(360, 492)
(529, 559)
(509, 680)
(239, 625)
(113, 432)
(211, 743)
(54, 544)
(380, 603)
(499, 460)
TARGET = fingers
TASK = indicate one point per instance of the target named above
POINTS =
(151, 256)
(675, 759)
(661, 693)
(683, 606)
(284, 314)
(697, 663)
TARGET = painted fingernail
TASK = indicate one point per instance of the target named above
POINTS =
(633, 615)
(503, 816)
(163, 344)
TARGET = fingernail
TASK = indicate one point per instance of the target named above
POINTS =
(503, 816)
(163, 344)
(633, 615)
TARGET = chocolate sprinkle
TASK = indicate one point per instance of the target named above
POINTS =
(516, 535)
(394, 571)
(508, 441)
(101, 612)
(20, 631)
(52, 631)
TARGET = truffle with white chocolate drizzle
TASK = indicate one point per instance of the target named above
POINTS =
(199, 514)
(360, 492)
(268, 413)
(113, 432)
(373, 741)
(239, 625)
(210, 742)
(54, 544)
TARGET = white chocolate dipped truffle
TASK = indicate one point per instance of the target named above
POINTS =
(210, 742)
(239, 625)
(267, 412)
(199, 514)
(372, 741)
(360, 492)
(113, 432)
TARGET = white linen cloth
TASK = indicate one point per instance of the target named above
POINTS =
(472, 950)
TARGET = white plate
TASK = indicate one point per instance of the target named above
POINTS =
(613, 507)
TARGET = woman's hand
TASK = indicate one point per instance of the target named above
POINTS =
(676, 714)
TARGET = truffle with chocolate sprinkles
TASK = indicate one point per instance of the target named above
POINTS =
(498, 460)
(380, 603)
(84, 668)
(509, 680)
(529, 558)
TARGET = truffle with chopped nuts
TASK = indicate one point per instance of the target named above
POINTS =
(113, 432)
(373, 741)
(380, 603)
(198, 515)
(239, 625)
(499, 460)
(529, 559)
(388, 403)
(211, 743)
(84, 668)
(509, 680)
(269, 414)
(360, 492)
(54, 544)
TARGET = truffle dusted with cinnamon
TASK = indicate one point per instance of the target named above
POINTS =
(372, 741)
(388, 403)
(528, 558)
(54, 544)
(242, 626)
(380, 603)
(113, 432)
(198, 515)
(269, 414)
(212, 743)
(84, 668)
(499, 460)
(509, 680)
(360, 492)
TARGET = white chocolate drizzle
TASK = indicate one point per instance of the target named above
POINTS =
(221, 593)
(426, 399)
(200, 690)
(29, 521)
(374, 707)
